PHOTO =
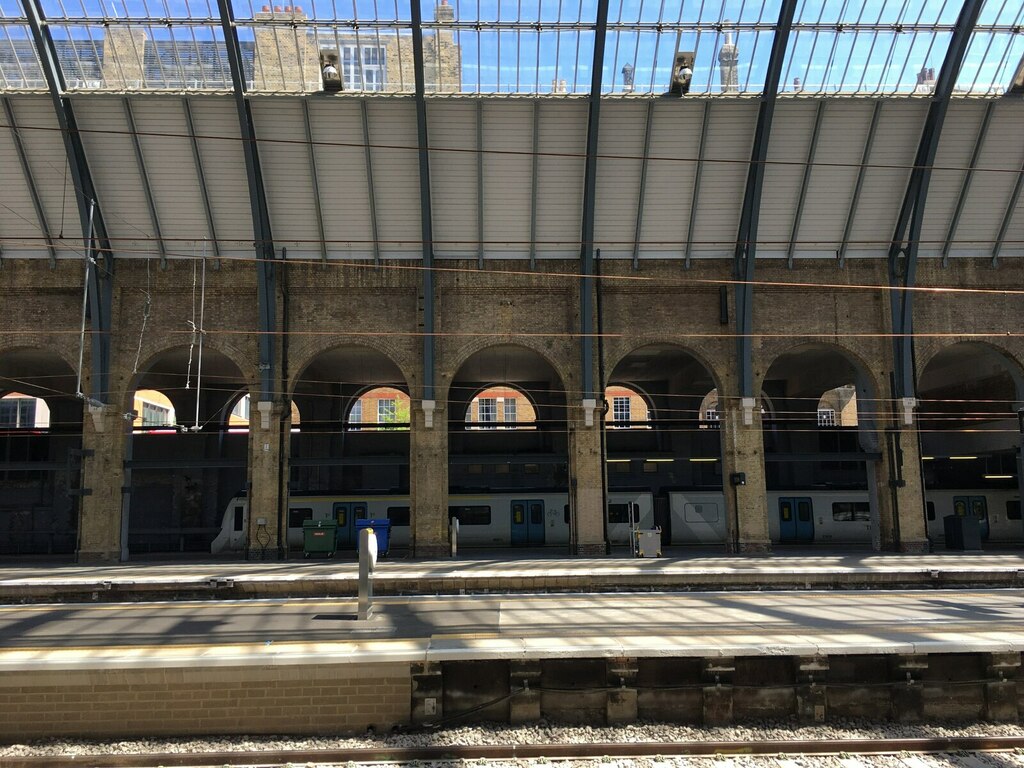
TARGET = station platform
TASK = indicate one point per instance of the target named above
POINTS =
(503, 571)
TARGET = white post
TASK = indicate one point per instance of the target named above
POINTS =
(367, 562)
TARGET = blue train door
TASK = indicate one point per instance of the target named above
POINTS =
(527, 522)
(345, 514)
(977, 506)
(796, 519)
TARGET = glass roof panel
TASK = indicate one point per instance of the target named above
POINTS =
(19, 62)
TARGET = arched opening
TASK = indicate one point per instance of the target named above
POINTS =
(183, 462)
(820, 452)
(501, 406)
(970, 395)
(40, 459)
(240, 412)
(380, 408)
(664, 451)
(508, 480)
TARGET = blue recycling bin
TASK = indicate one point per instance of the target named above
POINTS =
(382, 528)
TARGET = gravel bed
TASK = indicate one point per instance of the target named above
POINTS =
(540, 733)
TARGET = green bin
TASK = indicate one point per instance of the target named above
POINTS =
(319, 537)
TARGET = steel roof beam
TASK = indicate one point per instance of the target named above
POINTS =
(1011, 206)
(99, 288)
(426, 215)
(480, 183)
(906, 238)
(266, 284)
(696, 184)
(147, 188)
(371, 197)
(811, 149)
(869, 143)
(316, 183)
(746, 239)
(966, 186)
(589, 203)
(26, 170)
(533, 185)
(643, 185)
(201, 176)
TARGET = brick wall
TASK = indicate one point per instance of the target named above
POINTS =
(338, 698)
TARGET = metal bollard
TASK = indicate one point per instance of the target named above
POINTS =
(367, 562)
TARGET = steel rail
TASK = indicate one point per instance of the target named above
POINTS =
(932, 745)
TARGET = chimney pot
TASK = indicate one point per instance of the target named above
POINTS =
(277, 9)
(298, 9)
(287, 9)
(266, 9)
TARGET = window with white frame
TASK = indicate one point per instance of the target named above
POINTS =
(488, 410)
(387, 411)
(364, 72)
(826, 417)
(155, 415)
(620, 409)
(510, 410)
(355, 416)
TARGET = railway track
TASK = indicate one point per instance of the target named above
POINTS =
(846, 747)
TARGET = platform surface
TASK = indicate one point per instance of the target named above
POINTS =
(474, 627)
(511, 571)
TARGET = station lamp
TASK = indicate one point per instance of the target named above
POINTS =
(330, 70)
(682, 73)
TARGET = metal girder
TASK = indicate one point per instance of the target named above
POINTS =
(746, 238)
(26, 170)
(643, 186)
(480, 183)
(811, 149)
(369, 181)
(589, 203)
(316, 181)
(146, 187)
(906, 238)
(869, 143)
(426, 216)
(99, 288)
(533, 185)
(266, 285)
(202, 181)
(696, 183)
(966, 186)
(1007, 216)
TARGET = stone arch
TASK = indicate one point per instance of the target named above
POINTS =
(330, 344)
(497, 384)
(481, 343)
(1014, 365)
(861, 367)
(668, 341)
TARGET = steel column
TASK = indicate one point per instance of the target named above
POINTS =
(266, 287)
(146, 187)
(480, 182)
(589, 202)
(316, 182)
(202, 181)
(533, 185)
(100, 279)
(426, 216)
(37, 204)
(811, 149)
(966, 186)
(746, 238)
(906, 238)
(696, 183)
(643, 186)
(369, 181)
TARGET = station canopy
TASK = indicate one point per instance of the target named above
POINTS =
(517, 47)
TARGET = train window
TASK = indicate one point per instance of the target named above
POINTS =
(618, 513)
(341, 514)
(471, 515)
(700, 513)
(979, 508)
(501, 469)
(803, 511)
(1013, 510)
(239, 515)
(475, 469)
(518, 514)
(398, 515)
(298, 515)
(566, 512)
(619, 467)
(851, 511)
(359, 512)
(651, 467)
(531, 469)
(930, 509)
(960, 508)
(537, 514)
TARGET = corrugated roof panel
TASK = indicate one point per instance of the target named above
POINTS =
(844, 130)
(620, 150)
(220, 147)
(115, 174)
(790, 141)
(170, 164)
(998, 165)
(953, 157)
(19, 225)
(396, 176)
(508, 176)
(452, 125)
(885, 181)
(675, 141)
(287, 176)
(723, 179)
(563, 146)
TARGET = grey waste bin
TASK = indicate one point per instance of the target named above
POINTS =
(962, 533)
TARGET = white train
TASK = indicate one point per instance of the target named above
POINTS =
(693, 517)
